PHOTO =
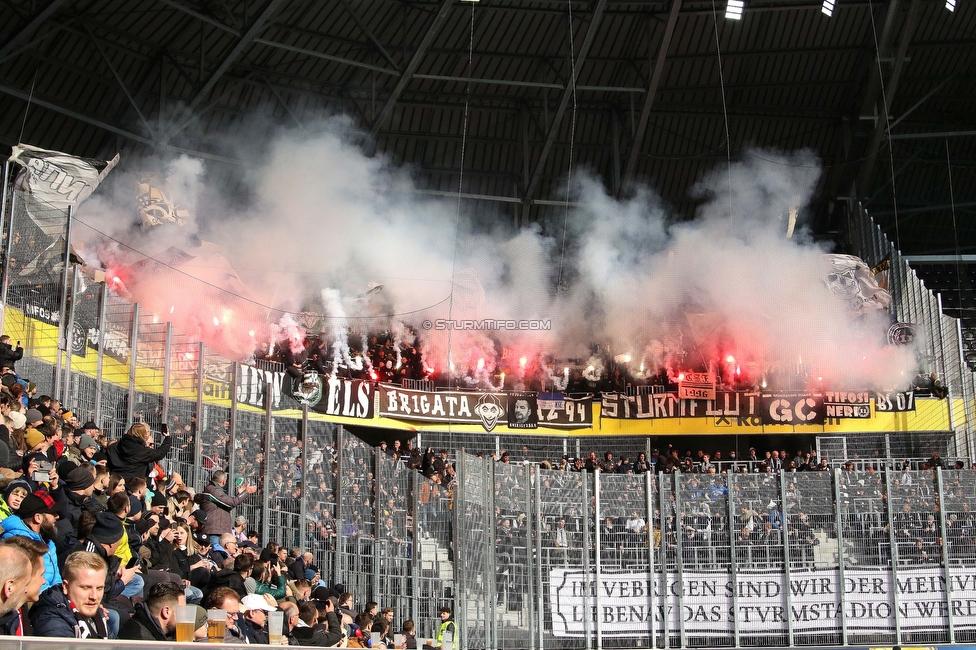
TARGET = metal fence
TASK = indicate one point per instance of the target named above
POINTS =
(711, 560)
(938, 337)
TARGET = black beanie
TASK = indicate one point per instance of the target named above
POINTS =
(80, 478)
(107, 528)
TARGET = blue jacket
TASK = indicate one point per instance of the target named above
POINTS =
(13, 525)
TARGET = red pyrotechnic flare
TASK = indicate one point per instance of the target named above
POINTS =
(681, 376)
(730, 359)
(522, 362)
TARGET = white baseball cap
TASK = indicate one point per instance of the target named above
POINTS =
(252, 602)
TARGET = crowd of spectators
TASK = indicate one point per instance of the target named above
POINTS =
(101, 538)
(377, 357)
(384, 357)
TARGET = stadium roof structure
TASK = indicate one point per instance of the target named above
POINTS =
(884, 92)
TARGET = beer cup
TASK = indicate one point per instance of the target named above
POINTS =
(216, 625)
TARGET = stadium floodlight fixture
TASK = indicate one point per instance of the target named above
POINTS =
(951, 5)
(828, 7)
(733, 11)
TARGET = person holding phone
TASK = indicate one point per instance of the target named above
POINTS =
(134, 455)
(9, 355)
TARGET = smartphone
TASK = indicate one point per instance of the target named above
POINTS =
(41, 477)
(132, 562)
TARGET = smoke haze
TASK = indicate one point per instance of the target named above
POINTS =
(323, 226)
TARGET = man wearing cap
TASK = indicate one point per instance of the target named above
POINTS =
(196, 519)
(159, 504)
(92, 431)
(32, 435)
(86, 445)
(70, 418)
(76, 444)
(155, 618)
(255, 609)
(79, 486)
(36, 519)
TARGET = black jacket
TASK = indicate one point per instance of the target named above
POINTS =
(297, 568)
(131, 457)
(317, 636)
(163, 557)
(75, 503)
(228, 578)
(254, 634)
(9, 356)
(10, 623)
(143, 626)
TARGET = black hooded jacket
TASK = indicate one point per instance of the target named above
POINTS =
(131, 457)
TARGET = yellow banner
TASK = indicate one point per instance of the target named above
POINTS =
(40, 339)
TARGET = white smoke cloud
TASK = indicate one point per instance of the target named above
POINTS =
(321, 215)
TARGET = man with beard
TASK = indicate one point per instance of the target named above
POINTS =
(155, 618)
(73, 609)
(36, 520)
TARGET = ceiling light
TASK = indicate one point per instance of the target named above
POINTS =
(828, 7)
(951, 5)
(733, 11)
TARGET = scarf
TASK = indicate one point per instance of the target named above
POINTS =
(89, 628)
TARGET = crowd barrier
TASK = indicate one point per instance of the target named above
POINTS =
(573, 560)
